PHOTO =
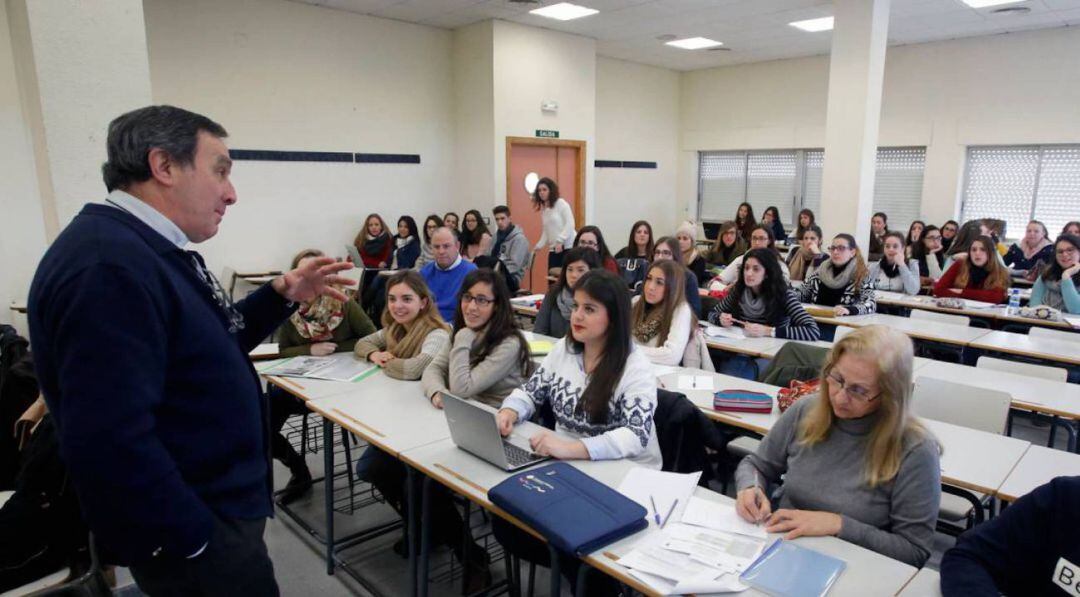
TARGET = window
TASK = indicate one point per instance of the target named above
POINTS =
(791, 180)
(1022, 183)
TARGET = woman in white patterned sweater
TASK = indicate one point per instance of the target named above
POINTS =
(600, 386)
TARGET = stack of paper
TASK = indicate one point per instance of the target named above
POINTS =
(663, 495)
(732, 333)
(686, 559)
(343, 366)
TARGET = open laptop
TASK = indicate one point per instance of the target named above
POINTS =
(473, 428)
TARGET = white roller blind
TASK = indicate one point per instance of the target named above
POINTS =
(770, 181)
(898, 184)
(722, 184)
(815, 163)
(1057, 199)
(1000, 183)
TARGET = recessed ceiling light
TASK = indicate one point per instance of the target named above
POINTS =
(695, 43)
(822, 24)
(985, 3)
(564, 11)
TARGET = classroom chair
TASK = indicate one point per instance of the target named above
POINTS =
(940, 317)
(1059, 374)
(967, 406)
(1051, 334)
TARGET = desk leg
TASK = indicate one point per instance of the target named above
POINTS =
(411, 521)
(582, 574)
(328, 475)
(425, 536)
(556, 574)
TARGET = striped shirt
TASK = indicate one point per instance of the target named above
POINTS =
(791, 320)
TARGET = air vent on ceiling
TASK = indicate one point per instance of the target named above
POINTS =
(667, 37)
(523, 1)
(1011, 10)
(718, 49)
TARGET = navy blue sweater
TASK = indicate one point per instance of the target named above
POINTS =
(1020, 551)
(162, 422)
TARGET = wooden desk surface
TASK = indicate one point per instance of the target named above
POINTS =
(756, 422)
(1038, 466)
(973, 459)
(1050, 349)
(1028, 393)
(917, 328)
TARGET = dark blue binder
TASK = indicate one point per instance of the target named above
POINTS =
(574, 512)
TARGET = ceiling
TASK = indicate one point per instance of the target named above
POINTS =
(754, 30)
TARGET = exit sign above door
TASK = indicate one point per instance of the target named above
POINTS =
(547, 134)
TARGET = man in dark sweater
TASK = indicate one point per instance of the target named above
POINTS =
(142, 358)
(1032, 548)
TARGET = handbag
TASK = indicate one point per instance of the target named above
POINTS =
(795, 391)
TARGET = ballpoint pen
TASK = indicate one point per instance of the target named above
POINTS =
(656, 512)
(669, 512)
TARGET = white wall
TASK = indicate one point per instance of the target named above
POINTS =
(1015, 88)
(22, 241)
(474, 103)
(285, 75)
(532, 65)
(637, 119)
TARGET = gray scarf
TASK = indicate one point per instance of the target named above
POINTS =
(1052, 296)
(837, 280)
(752, 306)
(565, 303)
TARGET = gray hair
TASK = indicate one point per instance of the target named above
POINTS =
(133, 135)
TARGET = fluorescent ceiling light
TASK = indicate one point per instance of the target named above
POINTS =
(985, 3)
(694, 43)
(822, 24)
(564, 11)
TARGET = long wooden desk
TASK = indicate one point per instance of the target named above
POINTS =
(471, 477)
(972, 459)
(927, 583)
(919, 329)
(1038, 466)
(1028, 393)
(1049, 349)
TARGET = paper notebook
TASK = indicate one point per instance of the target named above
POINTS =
(539, 348)
(785, 569)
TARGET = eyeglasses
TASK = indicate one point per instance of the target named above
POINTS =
(855, 392)
(932, 237)
(838, 248)
(587, 243)
(1067, 251)
(480, 300)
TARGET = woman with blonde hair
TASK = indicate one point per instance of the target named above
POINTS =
(843, 282)
(855, 461)
(413, 332)
(660, 319)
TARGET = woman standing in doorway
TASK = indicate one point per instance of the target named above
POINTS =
(557, 218)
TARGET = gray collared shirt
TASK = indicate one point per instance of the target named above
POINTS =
(149, 216)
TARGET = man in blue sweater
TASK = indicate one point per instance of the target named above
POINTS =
(1031, 548)
(445, 274)
(142, 358)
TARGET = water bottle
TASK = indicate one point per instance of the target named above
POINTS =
(1014, 301)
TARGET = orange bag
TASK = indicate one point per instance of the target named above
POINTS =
(795, 391)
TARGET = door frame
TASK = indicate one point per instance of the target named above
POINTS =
(578, 206)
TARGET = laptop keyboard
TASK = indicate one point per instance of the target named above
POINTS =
(517, 456)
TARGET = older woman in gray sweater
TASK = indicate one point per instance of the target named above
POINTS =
(855, 462)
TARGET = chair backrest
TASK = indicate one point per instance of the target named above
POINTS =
(841, 331)
(940, 317)
(1037, 331)
(1041, 371)
(795, 360)
(679, 433)
(961, 404)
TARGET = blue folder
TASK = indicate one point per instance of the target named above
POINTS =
(788, 570)
(574, 512)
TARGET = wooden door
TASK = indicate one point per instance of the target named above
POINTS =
(563, 162)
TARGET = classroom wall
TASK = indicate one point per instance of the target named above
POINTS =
(1003, 89)
(637, 119)
(531, 65)
(290, 76)
(22, 238)
(474, 104)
